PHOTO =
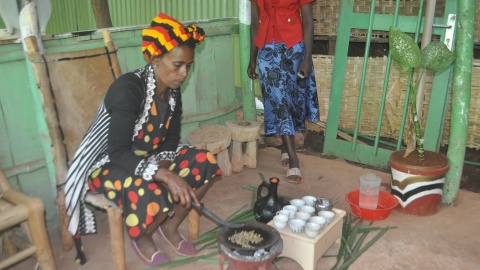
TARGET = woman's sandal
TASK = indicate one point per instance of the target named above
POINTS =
(294, 176)
(185, 248)
(284, 159)
(156, 259)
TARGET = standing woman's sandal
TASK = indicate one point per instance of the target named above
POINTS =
(284, 159)
(294, 176)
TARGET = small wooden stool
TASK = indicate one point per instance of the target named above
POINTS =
(216, 139)
(243, 132)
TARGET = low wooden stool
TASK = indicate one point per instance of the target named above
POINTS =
(243, 132)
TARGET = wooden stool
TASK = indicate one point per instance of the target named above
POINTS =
(20, 209)
(243, 132)
(216, 139)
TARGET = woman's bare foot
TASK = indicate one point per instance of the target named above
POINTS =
(171, 234)
(146, 246)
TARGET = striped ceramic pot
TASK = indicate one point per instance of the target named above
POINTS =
(418, 186)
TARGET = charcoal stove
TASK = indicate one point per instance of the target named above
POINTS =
(260, 256)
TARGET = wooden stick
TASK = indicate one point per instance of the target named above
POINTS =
(67, 239)
(193, 224)
(115, 221)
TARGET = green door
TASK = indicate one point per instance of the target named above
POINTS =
(378, 141)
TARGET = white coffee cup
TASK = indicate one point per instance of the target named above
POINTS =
(280, 221)
(296, 225)
(292, 209)
(309, 200)
(312, 229)
(328, 215)
(297, 202)
(284, 212)
(303, 216)
(318, 220)
(307, 209)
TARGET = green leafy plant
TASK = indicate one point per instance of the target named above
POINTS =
(435, 57)
(354, 234)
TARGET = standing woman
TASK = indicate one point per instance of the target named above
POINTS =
(282, 38)
(131, 152)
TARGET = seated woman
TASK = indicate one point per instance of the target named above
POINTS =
(131, 151)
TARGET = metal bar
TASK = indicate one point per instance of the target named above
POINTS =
(441, 26)
(370, 138)
(338, 77)
(426, 39)
(248, 93)
(462, 79)
(471, 163)
(364, 74)
(385, 85)
(441, 87)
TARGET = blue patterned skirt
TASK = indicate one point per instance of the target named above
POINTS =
(288, 100)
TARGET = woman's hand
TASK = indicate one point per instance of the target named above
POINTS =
(305, 67)
(179, 189)
(251, 70)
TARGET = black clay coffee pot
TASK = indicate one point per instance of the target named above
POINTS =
(266, 207)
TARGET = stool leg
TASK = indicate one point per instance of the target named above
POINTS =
(237, 156)
(193, 224)
(115, 221)
(38, 233)
(224, 163)
(8, 247)
(250, 157)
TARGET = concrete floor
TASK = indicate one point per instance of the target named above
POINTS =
(448, 239)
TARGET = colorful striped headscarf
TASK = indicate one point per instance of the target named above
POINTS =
(165, 33)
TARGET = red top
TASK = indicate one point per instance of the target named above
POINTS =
(279, 20)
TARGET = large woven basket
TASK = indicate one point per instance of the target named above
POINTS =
(373, 94)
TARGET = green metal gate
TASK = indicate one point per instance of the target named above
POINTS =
(378, 151)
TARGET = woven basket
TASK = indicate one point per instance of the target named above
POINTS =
(373, 94)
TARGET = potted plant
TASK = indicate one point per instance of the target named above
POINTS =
(417, 180)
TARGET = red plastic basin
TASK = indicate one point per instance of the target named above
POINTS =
(386, 202)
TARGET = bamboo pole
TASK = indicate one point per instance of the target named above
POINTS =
(462, 80)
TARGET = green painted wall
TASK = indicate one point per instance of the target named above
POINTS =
(211, 87)
(73, 15)
(20, 139)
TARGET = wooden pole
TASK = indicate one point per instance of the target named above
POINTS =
(58, 147)
(101, 12)
(115, 221)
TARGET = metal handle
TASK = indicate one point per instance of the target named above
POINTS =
(217, 219)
